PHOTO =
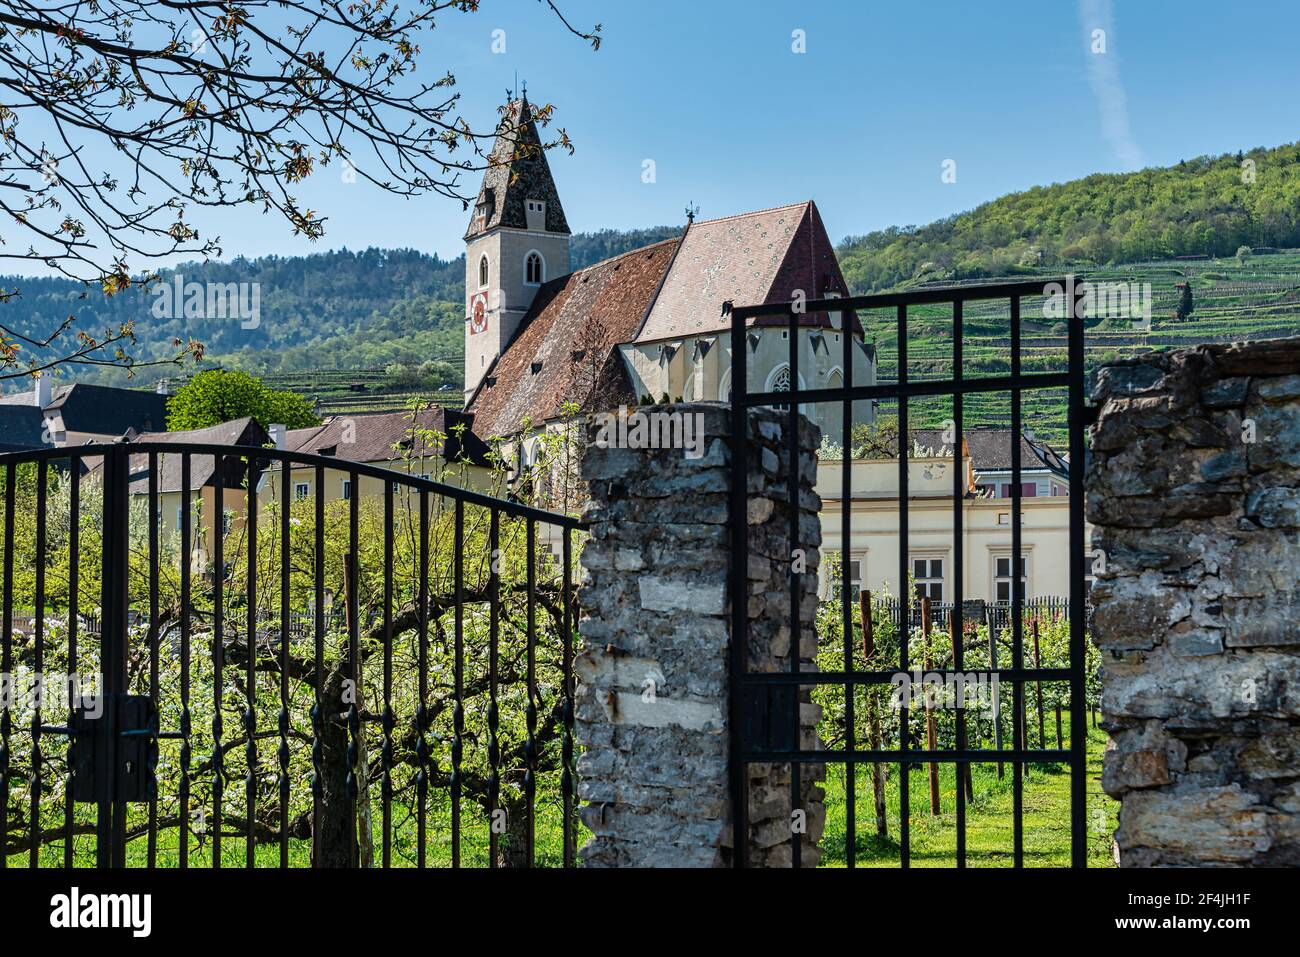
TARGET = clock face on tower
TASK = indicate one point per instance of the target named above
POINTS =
(477, 313)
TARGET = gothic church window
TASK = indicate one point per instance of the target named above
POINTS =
(483, 272)
(534, 269)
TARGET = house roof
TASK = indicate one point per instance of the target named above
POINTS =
(243, 431)
(101, 409)
(990, 450)
(384, 436)
(21, 427)
(517, 170)
(760, 257)
(564, 350)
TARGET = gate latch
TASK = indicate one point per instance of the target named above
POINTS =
(115, 754)
(767, 717)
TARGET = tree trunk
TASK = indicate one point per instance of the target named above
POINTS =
(332, 835)
(512, 845)
(877, 770)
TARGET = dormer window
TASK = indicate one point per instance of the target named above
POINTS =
(534, 269)
(535, 213)
(484, 208)
(483, 272)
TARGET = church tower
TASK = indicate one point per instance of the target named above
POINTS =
(517, 240)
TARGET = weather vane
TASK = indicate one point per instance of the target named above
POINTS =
(692, 210)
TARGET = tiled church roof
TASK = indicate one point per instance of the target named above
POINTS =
(758, 257)
(517, 170)
(565, 351)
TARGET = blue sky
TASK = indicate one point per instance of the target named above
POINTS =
(734, 120)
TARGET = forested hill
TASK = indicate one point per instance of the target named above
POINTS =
(1203, 206)
(378, 308)
(334, 310)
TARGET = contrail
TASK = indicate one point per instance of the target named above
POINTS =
(1103, 77)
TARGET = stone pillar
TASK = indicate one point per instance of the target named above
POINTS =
(1194, 492)
(653, 674)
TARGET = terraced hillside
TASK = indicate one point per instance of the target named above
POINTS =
(1254, 297)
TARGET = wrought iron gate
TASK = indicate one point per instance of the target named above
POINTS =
(765, 707)
(203, 660)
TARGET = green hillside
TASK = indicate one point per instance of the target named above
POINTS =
(1252, 297)
(372, 329)
(341, 310)
(1204, 206)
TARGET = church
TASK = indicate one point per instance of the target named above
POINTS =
(644, 326)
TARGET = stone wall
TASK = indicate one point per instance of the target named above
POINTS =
(1194, 492)
(653, 694)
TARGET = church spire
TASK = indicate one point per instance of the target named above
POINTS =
(518, 179)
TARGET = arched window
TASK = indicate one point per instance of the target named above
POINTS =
(835, 380)
(534, 269)
(483, 272)
(779, 380)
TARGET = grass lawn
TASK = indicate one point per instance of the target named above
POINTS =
(989, 839)
(1046, 801)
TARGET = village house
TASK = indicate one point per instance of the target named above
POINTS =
(77, 413)
(433, 443)
(988, 569)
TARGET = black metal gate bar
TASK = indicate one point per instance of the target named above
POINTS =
(152, 852)
(284, 716)
(216, 528)
(846, 611)
(955, 621)
(353, 716)
(42, 473)
(746, 684)
(6, 652)
(250, 671)
(569, 620)
(187, 728)
(387, 716)
(74, 582)
(1017, 605)
(530, 713)
(796, 577)
(422, 708)
(739, 652)
(494, 744)
(458, 715)
(1078, 599)
(905, 625)
(318, 655)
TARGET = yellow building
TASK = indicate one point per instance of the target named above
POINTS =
(986, 517)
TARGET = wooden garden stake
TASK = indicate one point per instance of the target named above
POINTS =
(1038, 663)
(931, 726)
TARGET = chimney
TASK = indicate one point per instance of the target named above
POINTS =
(42, 391)
(277, 435)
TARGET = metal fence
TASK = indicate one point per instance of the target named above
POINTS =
(426, 719)
(773, 703)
